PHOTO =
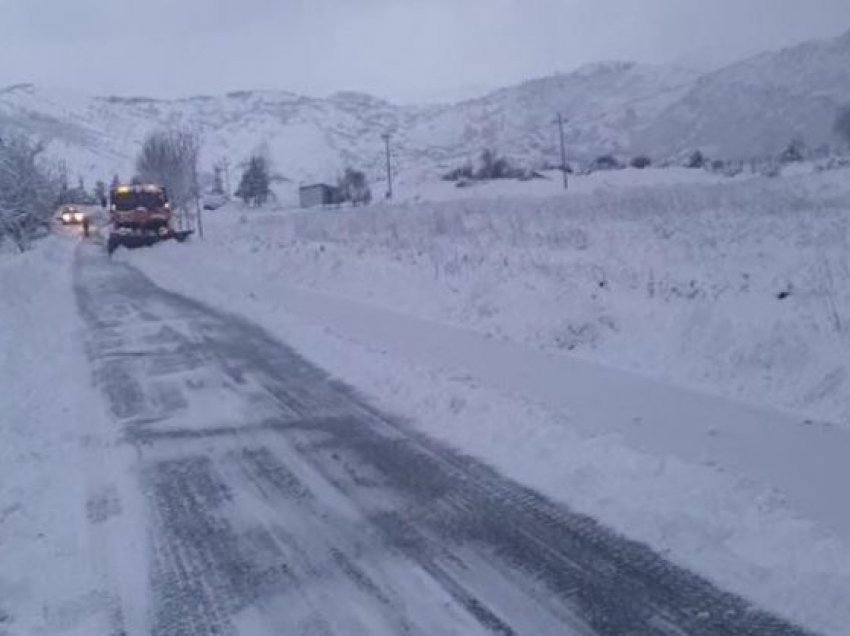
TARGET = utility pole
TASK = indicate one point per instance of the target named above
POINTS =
(196, 189)
(196, 193)
(386, 138)
(225, 164)
(563, 150)
(200, 216)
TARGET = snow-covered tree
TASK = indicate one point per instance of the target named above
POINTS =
(28, 192)
(254, 185)
(170, 158)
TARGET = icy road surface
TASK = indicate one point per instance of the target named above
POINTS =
(275, 500)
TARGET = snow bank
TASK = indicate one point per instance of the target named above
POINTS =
(54, 564)
(751, 497)
(740, 288)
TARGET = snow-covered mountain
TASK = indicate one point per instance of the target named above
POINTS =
(751, 108)
(306, 138)
(605, 104)
(755, 107)
(310, 138)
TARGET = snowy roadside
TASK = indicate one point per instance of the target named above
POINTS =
(56, 462)
(740, 288)
(662, 465)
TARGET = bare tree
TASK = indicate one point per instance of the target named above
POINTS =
(353, 187)
(28, 191)
(170, 158)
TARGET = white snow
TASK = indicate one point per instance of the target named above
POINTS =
(665, 350)
(56, 456)
(758, 105)
(484, 321)
(552, 184)
(681, 282)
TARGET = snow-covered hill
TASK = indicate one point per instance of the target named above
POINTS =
(606, 105)
(757, 106)
(749, 109)
(306, 138)
(310, 138)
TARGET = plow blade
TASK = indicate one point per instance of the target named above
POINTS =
(132, 241)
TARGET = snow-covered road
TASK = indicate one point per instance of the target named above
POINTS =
(275, 500)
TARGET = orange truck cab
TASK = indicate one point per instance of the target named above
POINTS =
(140, 209)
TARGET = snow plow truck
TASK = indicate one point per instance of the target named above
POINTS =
(140, 215)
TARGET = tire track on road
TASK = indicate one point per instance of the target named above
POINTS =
(281, 499)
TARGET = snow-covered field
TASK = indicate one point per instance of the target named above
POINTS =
(413, 188)
(484, 320)
(739, 287)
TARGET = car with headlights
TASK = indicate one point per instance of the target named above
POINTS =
(71, 215)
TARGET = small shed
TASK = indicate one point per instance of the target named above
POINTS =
(318, 194)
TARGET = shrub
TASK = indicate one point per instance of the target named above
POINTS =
(605, 162)
(466, 171)
(794, 152)
(696, 160)
(492, 166)
(354, 188)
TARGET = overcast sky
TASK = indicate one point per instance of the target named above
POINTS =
(405, 50)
